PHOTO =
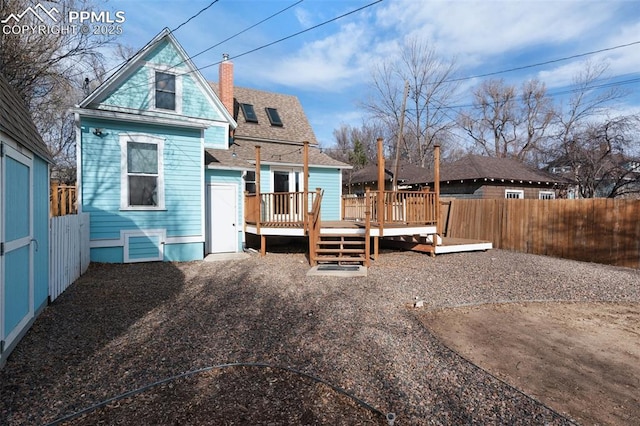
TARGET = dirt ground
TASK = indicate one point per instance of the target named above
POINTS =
(582, 359)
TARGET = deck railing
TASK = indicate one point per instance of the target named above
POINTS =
(280, 209)
(314, 228)
(399, 207)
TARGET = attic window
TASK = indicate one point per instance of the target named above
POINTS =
(249, 113)
(274, 117)
(165, 91)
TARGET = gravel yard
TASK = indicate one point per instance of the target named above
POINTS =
(122, 327)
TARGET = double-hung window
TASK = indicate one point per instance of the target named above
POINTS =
(165, 91)
(142, 183)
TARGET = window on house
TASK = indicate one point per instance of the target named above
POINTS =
(250, 182)
(514, 193)
(546, 195)
(274, 117)
(142, 172)
(165, 91)
(249, 113)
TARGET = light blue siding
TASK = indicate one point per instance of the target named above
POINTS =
(101, 183)
(144, 247)
(134, 93)
(107, 255)
(40, 232)
(215, 137)
(183, 252)
(329, 181)
(231, 177)
(265, 179)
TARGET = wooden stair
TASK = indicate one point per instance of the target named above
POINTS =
(341, 249)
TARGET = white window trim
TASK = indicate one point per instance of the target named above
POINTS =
(520, 193)
(124, 181)
(551, 193)
(152, 87)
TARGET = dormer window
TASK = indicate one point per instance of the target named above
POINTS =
(249, 113)
(165, 91)
(274, 117)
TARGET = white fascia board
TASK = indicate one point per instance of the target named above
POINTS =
(187, 122)
(234, 168)
(318, 166)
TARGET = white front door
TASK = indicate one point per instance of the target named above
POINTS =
(223, 215)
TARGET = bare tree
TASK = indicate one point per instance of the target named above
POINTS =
(432, 89)
(504, 123)
(48, 69)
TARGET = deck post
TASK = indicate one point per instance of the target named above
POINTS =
(380, 200)
(263, 245)
(436, 189)
(305, 180)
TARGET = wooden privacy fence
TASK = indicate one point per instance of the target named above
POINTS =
(69, 251)
(592, 230)
(62, 200)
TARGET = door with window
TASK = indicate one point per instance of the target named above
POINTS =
(287, 202)
(16, 262)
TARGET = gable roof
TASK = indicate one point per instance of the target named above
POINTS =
(15, 121)
(474, 167)
(295, 125)
(137, 61)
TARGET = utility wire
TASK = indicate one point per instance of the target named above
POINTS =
(553, 61)
(194, 16)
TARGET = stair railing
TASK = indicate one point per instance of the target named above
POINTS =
(314, 226)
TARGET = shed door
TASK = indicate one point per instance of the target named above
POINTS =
(16, 263)
(223, 214)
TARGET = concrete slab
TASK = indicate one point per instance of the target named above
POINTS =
(220, 257)
(344, 271)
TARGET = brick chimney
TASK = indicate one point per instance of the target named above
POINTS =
(225, 74)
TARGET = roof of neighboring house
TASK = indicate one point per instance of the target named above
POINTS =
(406, 173)
(15, 120)
(242, 155)
(480, 167)
(295, 126)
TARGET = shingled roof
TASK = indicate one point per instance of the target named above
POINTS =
(295, 126)
(15, 121)
(242, 155)
(406, 173)
(474, 167)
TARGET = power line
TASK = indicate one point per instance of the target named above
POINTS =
(552, 61)
(295, 34)
(194, 16)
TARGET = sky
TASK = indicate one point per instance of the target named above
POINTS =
(329, 68)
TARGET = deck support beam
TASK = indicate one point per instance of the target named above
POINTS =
(263, 245)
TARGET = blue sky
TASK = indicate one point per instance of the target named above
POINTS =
(329, 68)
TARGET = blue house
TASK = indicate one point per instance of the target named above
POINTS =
(164, 161)
(24, 220)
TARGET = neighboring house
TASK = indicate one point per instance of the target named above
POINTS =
(476, 176)
(163, 164)
(357, 181)
(614, 175)
(24, 220)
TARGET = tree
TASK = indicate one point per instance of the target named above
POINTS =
(432, 89)
(600, 159)
(48, 70)
(356, 145)
(504, 123)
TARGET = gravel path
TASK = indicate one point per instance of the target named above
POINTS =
(121, 327)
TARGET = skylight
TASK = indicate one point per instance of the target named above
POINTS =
(274, 117)
(249, 113)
